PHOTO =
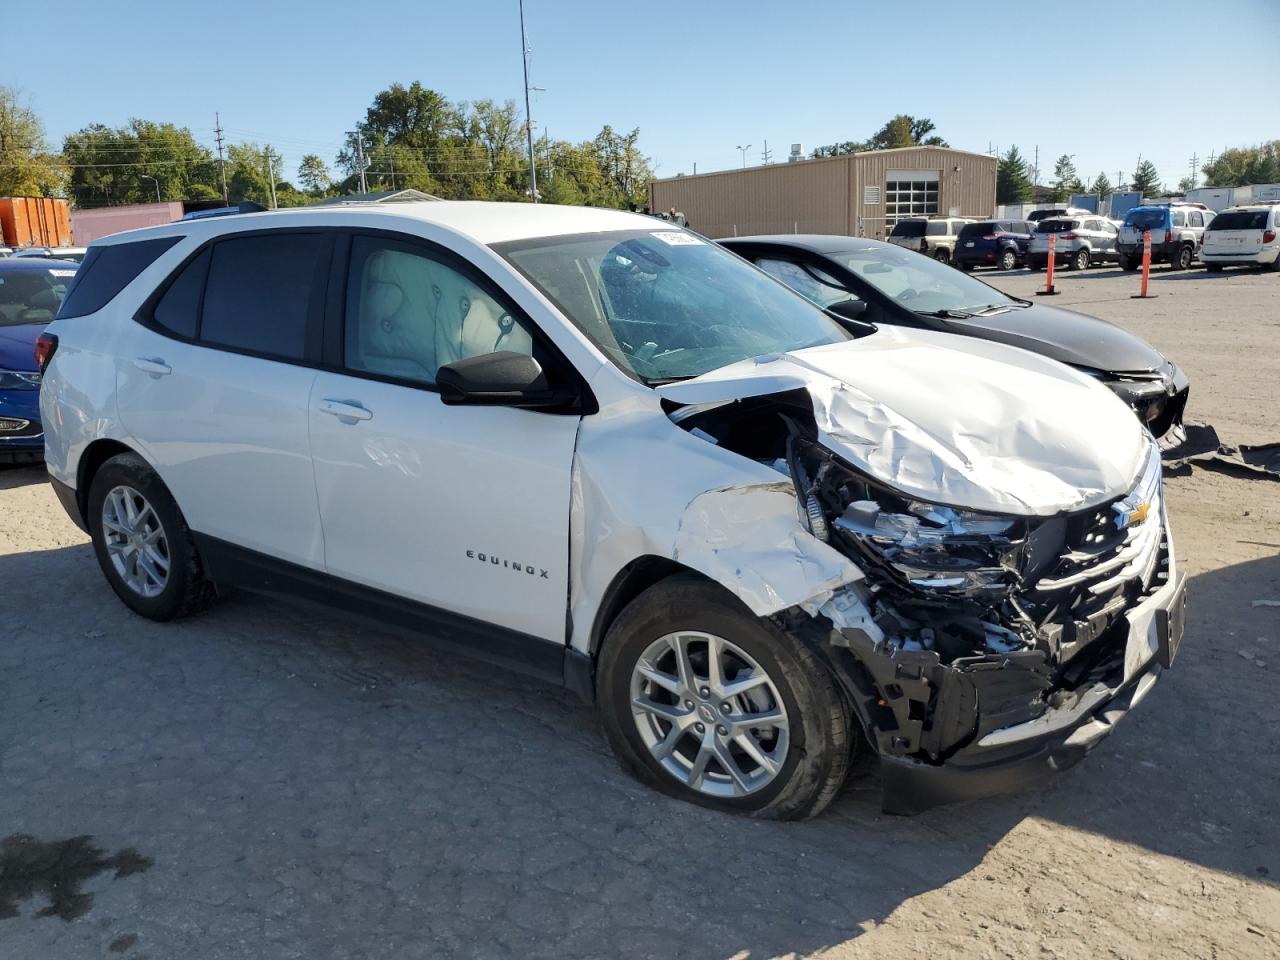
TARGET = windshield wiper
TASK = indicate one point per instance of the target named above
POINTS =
(944, 314)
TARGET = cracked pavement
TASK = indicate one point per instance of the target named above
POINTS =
(308, 787)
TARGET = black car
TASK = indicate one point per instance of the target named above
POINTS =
(881, 283)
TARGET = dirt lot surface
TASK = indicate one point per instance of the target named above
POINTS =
(267, 782)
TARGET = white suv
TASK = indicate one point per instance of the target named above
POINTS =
(605, 451)
(933, 238)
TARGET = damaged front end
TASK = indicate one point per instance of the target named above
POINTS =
(979, 650)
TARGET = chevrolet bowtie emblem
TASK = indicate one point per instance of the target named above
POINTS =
(1130, 515)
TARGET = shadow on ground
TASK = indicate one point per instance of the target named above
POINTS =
(309, 787)
(13, 475)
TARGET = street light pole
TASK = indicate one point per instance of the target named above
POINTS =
(143, 176)
(528, 117)
(744, 155)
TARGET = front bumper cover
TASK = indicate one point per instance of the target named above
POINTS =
(997, 724)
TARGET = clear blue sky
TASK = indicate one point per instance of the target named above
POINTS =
(697, 77)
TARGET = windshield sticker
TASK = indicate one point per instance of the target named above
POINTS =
(673, 239)
(62, 273)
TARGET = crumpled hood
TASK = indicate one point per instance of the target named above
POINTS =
(952, 419)
(1065, 335)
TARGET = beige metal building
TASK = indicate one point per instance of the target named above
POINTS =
(859, 194)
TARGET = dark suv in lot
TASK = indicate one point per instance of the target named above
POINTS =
(993, 243)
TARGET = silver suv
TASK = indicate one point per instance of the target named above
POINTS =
(1079, 242)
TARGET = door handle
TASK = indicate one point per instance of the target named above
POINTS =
(345, 410)
(153, 365)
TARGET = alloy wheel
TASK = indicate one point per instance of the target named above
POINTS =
(1008, 260)
(709, 714)
(136, 542)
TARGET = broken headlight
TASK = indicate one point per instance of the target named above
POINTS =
(939, 550)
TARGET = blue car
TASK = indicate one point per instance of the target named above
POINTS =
(31, 290)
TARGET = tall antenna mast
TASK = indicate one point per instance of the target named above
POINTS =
(528, 115)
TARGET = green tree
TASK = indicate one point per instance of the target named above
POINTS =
(314, 175)
(27, 168)
(1013, 182)
(901, 131)
(1065, 179)
(1240, 166)
(110, 165)
(1101, 186)
(1146, 181)
(247, 176)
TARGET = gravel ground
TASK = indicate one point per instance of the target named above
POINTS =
(265, 781)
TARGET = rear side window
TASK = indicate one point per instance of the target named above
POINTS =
(178, 310)
(259, 291)
(107, 270)
(938, 229)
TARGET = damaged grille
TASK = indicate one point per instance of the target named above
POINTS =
(1108, 557)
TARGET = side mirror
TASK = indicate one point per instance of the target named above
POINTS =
(849, 309)
(498, 379)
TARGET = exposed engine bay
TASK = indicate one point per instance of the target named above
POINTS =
(964, 622)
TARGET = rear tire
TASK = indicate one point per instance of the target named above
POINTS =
(688, 614)
(1274, 266)
(1008, 260)
(941, 255)
(1128, 263)
(1181, 259)
(142, 541)
(1079, 260)
(966, 266)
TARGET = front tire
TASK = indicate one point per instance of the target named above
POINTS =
(710, 704)
(142, 542)
(1008, 260)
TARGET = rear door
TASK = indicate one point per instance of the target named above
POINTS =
(216, 383)
(464, 508)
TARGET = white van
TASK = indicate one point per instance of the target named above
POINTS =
(1243, 236)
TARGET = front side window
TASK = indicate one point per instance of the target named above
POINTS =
(258, 295)
(811, 282)
(666, 305)
(408, 314)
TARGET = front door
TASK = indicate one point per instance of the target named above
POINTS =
(465, 508)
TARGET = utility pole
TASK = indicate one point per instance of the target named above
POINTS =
(222, 165)
(1035, 180)
(1195, 168)
(528, 115)
(391, 157)
(744, 154)
(271, 175)
(765, 153)
(364, 185)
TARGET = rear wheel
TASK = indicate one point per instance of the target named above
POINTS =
(142, 542)
(1079, 260)
(942, 255)
(966, 266)
(1275, 264)
(710, 704)
(1128, 263)
(1008, 260)
(1181, 259)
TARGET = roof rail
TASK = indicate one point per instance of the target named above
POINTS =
(245, 206)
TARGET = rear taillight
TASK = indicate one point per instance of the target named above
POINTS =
(45, 346)
(1168, 236)
(991, 236)
(1067, 236)
(1268, 236)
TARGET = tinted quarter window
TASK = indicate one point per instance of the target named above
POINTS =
(258, 297)
(178, 309)
(1178, 219)
(107, 270)
(409, 313)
